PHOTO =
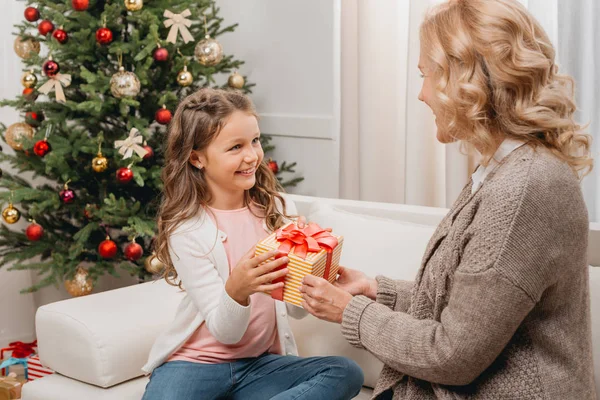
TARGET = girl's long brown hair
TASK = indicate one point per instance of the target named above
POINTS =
(198, 120)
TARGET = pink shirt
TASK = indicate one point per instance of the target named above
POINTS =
(243, 231)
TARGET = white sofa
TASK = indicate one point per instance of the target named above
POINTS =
(97, 344)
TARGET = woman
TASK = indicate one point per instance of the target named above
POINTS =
(500, 306)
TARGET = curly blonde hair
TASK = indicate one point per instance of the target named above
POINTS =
(496, 77)
(197, 121)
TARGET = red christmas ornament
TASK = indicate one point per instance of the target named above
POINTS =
(107, 249)
(149, 152)
(163, 116)
(104, 36)
(124, 175)
(133, 251)
(61, 36)
(32, 14)
(33, 119)
(42, 147)
(30, 94)
(45, 27)
(161, 54)
(51, 68)
(34, 232)
(80, 5)
(273, 166)
(67, 196)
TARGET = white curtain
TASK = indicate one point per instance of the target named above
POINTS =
(388, 148)
(578, 36)
(389, 151)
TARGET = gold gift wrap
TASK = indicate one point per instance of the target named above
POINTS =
(10, 387)
(312, 237)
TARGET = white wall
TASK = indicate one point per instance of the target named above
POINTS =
(292, 53)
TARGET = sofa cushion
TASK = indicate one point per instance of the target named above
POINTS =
(104, 339)
(376, 246)
(58, 387)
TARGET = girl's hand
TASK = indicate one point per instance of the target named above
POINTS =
(356, 282)
(249, 277)
(323, 300)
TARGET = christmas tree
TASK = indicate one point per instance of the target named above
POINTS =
(102, 79)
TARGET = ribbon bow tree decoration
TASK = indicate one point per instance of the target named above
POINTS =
(178, 23)
(57, 82)
(131, 144)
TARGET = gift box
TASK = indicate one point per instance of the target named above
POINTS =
(311, 250)
(35, 368)
(18, 350)
(16, 361)
(10, 387)
(11, 362)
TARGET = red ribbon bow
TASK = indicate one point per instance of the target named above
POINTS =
(20, 349)
(310, 239)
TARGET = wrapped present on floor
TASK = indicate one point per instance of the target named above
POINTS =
(35, 368)
(311, 250)
(5, 365)
(18, 350)
(10, 387)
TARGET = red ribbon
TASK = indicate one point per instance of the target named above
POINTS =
(19, 349)
(310, 239)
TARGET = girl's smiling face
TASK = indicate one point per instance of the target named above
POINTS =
(230, 161)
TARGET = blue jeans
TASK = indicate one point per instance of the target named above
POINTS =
(269, 376)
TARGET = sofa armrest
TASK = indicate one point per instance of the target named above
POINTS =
(104, 339)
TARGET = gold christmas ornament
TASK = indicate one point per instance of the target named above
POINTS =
(29, 80)
(16, 132)
(236, 81)
(134, 5)
(99, 163)
(80, 285)
(185, 78)
(26, 48)
(153, 265)
(124, 84)
(10, 214)
(208, 51)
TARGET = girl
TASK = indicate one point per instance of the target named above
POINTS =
(228, 339)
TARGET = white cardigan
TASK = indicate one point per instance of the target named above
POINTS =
(202, 266)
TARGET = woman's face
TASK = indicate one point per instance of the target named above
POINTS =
(428, 96)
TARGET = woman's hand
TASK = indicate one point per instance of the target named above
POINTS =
(249, 277)
(356, 282)
(323, 300)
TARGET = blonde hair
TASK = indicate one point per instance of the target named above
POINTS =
(197, 121)
(496, 77)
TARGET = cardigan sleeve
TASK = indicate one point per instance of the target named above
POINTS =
(484, 311)
(394, 294)
(226, 319)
